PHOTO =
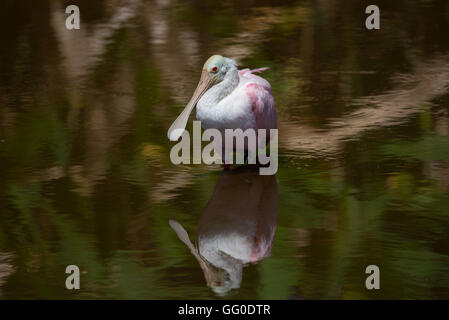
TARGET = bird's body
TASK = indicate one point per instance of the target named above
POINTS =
(227, 98)
(242, 100)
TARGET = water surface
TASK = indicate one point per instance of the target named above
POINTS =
(85, 174)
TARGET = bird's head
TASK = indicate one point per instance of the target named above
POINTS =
(214, 71)
(216, 67)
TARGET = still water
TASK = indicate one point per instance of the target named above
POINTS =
(86, 178)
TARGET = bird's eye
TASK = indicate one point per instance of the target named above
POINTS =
(214, 69)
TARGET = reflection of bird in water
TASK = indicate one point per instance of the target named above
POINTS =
(237, 226)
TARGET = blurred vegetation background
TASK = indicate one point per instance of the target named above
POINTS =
(85, 175)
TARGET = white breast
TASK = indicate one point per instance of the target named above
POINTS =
(232, 112)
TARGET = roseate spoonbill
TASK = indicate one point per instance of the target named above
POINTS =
(236, 228)
(227, 98)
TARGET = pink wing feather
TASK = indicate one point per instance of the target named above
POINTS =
(262, 103)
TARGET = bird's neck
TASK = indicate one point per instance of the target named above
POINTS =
(219, 91)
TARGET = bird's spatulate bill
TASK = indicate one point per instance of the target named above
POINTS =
(210, 272)
(182, 234)
(178, 126)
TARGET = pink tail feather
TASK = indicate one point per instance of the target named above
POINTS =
(259, 70)
(245, 72)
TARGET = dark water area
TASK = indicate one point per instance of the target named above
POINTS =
(85, 171)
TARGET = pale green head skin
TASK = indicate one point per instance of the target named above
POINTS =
(220, 63)
(215, 60)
